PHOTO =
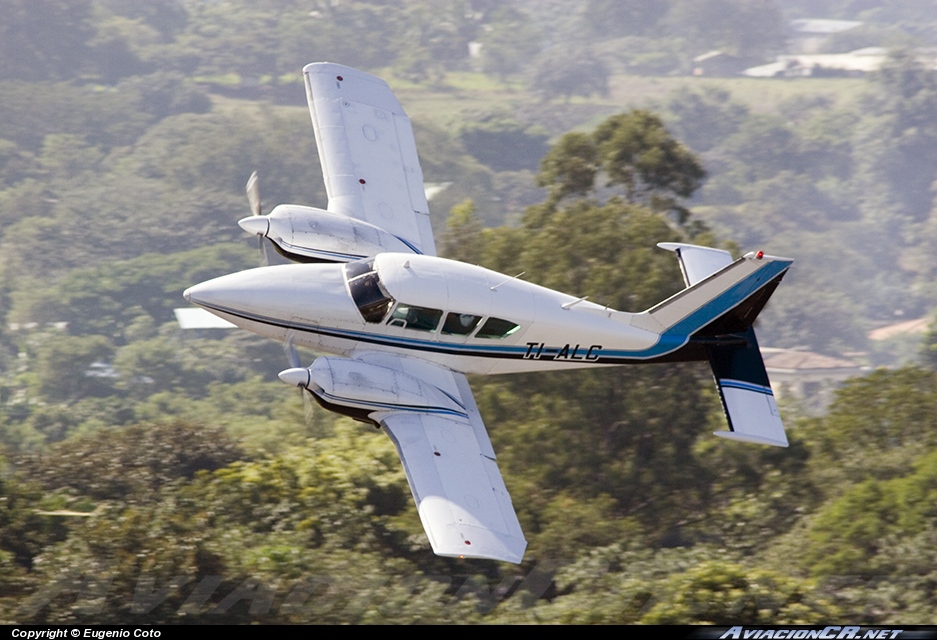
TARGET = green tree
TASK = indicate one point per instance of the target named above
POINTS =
(150, 366)
(901, 146)
(570, 167)
(105, 299)
(23, 532)
(101, 118)
(861, 534)
(638, 153)
(762, 147)
(434, 36)
(704, 118)
(73, 367)
(164, 94)
(635, 151)
(724, 593)
(165, 16)
(131, 463)
(615, 18)
(502, 143)
(66, 157)
(464, 236)
(333, 31)
(567, 73)
(113, 50)
(750, 29)
(43, 40)
(877, 426)
(509, 43)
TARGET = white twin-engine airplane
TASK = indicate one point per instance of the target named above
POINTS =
(407, 326)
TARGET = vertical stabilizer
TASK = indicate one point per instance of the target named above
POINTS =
(731, 345)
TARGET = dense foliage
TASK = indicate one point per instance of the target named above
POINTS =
(153, 475)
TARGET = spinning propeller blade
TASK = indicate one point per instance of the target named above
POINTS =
(297, 375)
(289, 348)
(256, 224)
(253, 194)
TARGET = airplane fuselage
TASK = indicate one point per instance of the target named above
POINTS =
(465, 317)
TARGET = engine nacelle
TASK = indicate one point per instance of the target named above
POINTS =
(359, 389)
(307, 234)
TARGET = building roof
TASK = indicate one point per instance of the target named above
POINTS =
(791, 360)
(860, 60)
(919, 325)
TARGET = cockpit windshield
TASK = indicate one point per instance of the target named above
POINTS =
(366, 289)
(375, 304)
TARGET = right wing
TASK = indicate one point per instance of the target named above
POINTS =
(429, 413)
(462, 501)
(197, 318)
(368, 153)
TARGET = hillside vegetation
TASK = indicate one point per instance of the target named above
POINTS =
(149, 475)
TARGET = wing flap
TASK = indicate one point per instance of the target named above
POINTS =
(449, 382)
(461, 498)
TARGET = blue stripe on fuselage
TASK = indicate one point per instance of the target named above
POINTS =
(670, 340)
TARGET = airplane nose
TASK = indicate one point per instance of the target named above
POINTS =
(192, 293)
(276, 295)
(254, 288)
(255, 225)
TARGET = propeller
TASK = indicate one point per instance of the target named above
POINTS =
(289, 349)
(253, 194)
(256, 223)
(297, 376)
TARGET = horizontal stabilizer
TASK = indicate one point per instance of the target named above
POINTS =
(697, 263)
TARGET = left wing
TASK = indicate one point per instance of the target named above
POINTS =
(377, 201)
(430, 414)
(368, 154)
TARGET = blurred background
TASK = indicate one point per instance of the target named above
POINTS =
(150, 474)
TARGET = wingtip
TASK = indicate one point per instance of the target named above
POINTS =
(753, 439)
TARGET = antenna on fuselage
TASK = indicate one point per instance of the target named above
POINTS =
(573, 303)
(508, 280)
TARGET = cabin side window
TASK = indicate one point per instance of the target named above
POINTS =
(413, 317)
(460, 324)
(497, 328)
(366, 290)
